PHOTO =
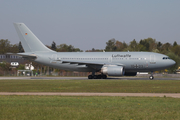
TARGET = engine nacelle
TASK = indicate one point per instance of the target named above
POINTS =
(113, 70)
(130, 74)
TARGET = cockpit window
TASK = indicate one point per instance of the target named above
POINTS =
(165, 58)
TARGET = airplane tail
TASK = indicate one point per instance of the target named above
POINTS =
(29, 41)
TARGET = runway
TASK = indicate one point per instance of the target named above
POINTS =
(173, 95)
(85, 78)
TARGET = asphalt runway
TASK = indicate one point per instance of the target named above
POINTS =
(85, 78)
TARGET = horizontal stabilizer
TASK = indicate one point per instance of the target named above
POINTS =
(24, 55)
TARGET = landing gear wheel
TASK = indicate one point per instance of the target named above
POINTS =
(151, 77)
(95, 77)
(99, 76)
(103, 76)
(90, 77)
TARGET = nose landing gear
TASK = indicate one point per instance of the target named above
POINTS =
(151, 77)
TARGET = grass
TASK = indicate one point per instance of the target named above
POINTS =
(88, 108)
(102, 86)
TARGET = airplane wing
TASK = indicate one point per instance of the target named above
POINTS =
(89, 63)
(83, 63)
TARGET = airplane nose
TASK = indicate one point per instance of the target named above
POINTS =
(173, 62)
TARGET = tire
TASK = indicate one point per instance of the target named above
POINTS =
(90, 77)
(104, 76)
(151, 77)
(99, 76)
(95, 77)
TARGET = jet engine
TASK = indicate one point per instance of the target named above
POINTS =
(113, 70)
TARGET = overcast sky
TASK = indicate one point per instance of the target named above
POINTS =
(88, 24)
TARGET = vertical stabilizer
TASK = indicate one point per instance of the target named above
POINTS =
(29, 41)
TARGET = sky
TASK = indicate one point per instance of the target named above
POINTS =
(88, 24)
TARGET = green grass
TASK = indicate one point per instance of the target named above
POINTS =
(111, 86)
(88, 108)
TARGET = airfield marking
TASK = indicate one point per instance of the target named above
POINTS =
(173, 95)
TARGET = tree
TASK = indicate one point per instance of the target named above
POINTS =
(141, 47)
(5, 46)
(53, 46)
(166, 48)
(5, 66)
(110, 45)
(145, 45)
(152, 44)
(21, 67)
(159, 45)
(125, 45)
(62, 48)
(176, 49)
(94, 50)
(67, 48)
(133, 45)
(13, 48)
(149, 44)
(21, 50)
(119, 46)
(174, 44)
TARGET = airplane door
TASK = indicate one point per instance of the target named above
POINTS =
(110, 59)
(152, 59)
(146, 64)
(53, 58)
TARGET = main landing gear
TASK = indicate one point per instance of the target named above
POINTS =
(93, 76)
(151, 77)
(97, 77)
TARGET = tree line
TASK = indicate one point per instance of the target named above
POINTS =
(148, 44)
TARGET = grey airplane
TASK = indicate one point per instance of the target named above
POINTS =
(104, 63)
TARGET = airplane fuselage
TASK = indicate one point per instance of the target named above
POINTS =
(131, 61)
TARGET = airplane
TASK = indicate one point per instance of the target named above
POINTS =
(105, 63)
